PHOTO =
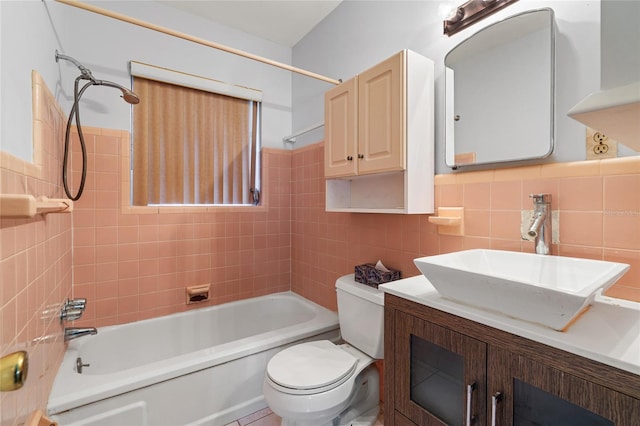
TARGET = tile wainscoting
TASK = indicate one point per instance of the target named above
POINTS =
(598, 204)
(35, 262)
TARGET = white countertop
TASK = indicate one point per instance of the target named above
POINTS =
(608, 332)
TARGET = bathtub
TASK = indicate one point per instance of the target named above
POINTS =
(202, 367)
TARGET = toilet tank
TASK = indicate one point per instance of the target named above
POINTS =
(361, 315)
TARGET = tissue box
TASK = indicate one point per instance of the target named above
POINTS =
(369, 275)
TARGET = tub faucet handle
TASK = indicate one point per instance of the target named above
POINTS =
(78, 303)
(72, 309)
(70, 314)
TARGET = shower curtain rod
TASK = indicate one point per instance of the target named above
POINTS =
(291, 138)
(193, 39)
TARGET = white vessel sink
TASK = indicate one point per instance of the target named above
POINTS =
(549, 290)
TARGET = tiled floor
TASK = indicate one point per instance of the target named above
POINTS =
(263, 417)
(266, 417)
(260, 418)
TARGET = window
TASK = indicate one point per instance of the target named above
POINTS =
(192, 144)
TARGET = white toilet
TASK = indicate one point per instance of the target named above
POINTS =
(321, 383)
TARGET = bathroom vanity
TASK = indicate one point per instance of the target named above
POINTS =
(450, 363)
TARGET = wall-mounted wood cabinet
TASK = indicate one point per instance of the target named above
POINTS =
(379, 138)
(441, 369)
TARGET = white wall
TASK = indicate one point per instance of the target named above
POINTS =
(358, 34)
(355, 36)
(620, 43)
(27, 41)
(32, 30)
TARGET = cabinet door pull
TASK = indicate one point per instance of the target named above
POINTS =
(470, 389)
(360, 156)
(349, 158)
(497, 397)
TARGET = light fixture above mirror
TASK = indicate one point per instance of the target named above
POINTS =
(471, 12)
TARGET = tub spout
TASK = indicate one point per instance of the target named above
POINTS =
(71, 333)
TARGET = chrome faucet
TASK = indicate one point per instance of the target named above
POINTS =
(71, 333)
(540, 226)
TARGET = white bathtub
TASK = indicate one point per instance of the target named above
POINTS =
(202, 367)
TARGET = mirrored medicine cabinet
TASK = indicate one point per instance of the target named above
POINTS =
(499, 100)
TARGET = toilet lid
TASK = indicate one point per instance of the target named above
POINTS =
(311, 365)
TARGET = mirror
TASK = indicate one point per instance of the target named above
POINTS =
(500, 92)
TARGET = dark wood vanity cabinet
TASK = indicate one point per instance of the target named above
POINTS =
(441, 369)
(442, 365)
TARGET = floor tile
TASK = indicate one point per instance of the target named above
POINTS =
(269, 420)
(264, 417)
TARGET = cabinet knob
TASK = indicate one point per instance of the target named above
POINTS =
(349, 158)
(360, 155)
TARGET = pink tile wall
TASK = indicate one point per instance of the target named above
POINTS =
(133, 264)
(35, 264)
(598, 204)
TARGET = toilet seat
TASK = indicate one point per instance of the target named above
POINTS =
(310, 368)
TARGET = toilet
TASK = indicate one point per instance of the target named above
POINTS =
(321, 383)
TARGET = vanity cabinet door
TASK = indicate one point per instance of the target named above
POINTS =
(446, 383)
(532, 393)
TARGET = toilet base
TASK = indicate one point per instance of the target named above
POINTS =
(365, 406)
(362, 410)
(367, 418)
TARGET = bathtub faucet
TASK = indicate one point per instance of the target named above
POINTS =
(71, 333)
(540, 227)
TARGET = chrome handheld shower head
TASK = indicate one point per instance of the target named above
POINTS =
(127, 94)
(85, 74)
(130, 97)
